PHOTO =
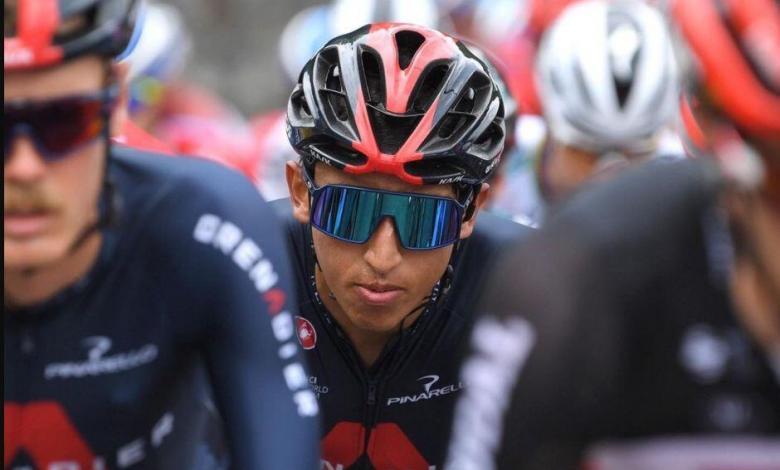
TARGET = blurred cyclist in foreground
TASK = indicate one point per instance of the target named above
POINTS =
(644, 318)
(398, 126)
(133, 283)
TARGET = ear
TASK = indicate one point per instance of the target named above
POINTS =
(467, 227)
(299, 192)
(120, 112)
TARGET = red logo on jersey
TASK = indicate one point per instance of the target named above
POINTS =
(307, 335)
(44, 431)
(275, 298)
(388, 447)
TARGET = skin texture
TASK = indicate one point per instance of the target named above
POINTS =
(62, 195)
(567, 168)
(344, 267)
(755, 279)
(756, 284)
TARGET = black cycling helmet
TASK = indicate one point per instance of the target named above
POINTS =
(39, 33)
(499, 74)
(399, 99)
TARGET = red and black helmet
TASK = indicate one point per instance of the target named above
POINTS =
(398, 99)
(736, 50)
(39, 33)
(500, 74)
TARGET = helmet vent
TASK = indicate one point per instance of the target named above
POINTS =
(373, 77)
(475, 95)
(451, 123)
(299, 105)
(338, 105)
(338, 154)
(489, 139)
(432, 169)
(333, 79)
(429, 86)
(391, 130)
(407, 42)
(584, 91)
(334, 94)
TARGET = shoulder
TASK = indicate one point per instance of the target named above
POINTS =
(149, 171)
(613, 237)
(169, 190)
(190, 208)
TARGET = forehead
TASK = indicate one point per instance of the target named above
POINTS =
(325, 174)
(82, 75)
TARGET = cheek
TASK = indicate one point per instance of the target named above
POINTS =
(335, 257)
(79, 181)
(427, 267)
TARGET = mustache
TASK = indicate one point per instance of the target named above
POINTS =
(29, 198)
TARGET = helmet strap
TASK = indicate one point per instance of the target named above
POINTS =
(108, 200)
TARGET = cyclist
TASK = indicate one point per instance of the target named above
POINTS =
(397, 127)
(608, 87)
(302, 37)
(640, 327)
(133, 282)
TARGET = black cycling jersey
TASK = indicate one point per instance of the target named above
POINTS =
(191, 287)
(608, 337)
(394, 415)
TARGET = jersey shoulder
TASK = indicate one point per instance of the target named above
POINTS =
(172, 205)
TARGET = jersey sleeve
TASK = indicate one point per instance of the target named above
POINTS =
(234, 262)
(549, 352)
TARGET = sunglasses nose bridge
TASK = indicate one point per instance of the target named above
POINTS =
(384, 249)
(22, 159)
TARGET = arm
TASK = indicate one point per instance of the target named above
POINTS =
(241, 283)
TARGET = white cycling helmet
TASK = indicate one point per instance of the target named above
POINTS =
(607, 77)
(157, 53)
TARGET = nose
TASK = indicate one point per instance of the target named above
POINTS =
(23, 164)
(383, 250)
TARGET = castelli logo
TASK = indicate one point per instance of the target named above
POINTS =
(307, 335)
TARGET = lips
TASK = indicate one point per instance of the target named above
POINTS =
(378, 294)
(24, 224)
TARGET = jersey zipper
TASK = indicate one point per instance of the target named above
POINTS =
(370, 416)
(27, 345)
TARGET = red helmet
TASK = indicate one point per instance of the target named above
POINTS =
(398, 99)
(47, 32)
(736, 45)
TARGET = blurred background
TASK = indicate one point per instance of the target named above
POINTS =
(211, 78)
(235, 45)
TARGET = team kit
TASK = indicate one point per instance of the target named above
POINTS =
(477, 234)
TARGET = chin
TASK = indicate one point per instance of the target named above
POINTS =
(33, 253)
(378, 320)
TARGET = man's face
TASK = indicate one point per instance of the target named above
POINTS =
(378, 283)
(48, 204)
